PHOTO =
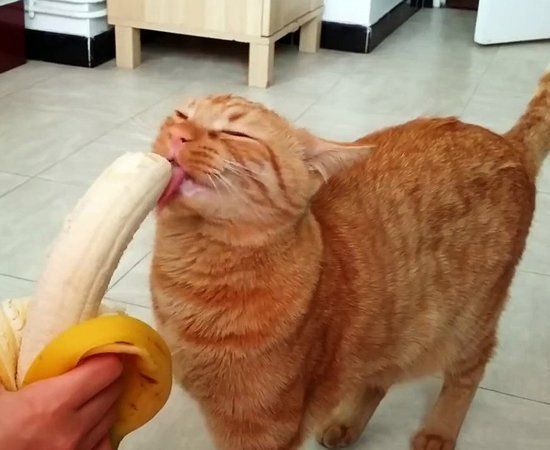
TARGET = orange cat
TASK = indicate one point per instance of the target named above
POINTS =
(292, 304)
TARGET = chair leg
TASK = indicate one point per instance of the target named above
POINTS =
(261, 64)
(128, 47)
(310, 36)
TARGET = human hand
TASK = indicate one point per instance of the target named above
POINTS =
(74, 411)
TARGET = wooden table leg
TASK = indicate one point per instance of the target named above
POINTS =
(261, 63)
(128, 47)
(310, 36)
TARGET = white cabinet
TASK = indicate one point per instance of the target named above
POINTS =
(500, 21)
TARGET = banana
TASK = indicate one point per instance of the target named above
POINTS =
(90, 245)
(51, 334)
(147, 376)
(13, 314)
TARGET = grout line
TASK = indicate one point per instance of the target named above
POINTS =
(318, 99)
(124, 302)
(109, 130)
(17, 174)
(27, 86)
(16, 277)
(476, 89)
(532, 272)
(96, 138)
(65, 183)
(542, 402)
(9, 191)
(80, 147)
(128, 271)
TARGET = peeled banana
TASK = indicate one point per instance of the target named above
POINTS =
(61, 326)
(13, 315)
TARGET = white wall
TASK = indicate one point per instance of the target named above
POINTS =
(378, 8)
(359, 12)
(348, 11)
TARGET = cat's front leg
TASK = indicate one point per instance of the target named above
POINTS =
(347, 422)
(266, 430)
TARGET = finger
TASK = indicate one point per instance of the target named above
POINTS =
(99, 434)
(92, 412)
(105, 444)
(88, 379)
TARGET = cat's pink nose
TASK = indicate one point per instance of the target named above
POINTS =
(176, 146)
(179, 136)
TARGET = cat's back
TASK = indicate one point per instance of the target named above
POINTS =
(434, 219)
(433, 170)
(438, 207)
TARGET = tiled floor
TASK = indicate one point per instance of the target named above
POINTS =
(60, 126)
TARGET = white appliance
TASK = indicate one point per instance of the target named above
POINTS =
(500, 21)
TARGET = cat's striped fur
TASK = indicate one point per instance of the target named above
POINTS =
(292, 304)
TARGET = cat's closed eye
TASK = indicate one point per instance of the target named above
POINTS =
(237, 134)
(181, 115)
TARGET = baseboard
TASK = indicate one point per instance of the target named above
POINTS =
(344, 37)
(390, 22)
(359, 38)
(336, 36)
(71, 50)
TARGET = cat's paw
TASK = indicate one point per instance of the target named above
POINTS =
(429, 440)
(338, 436)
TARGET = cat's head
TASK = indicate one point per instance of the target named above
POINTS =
(237, 162)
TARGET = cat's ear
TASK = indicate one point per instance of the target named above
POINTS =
(326, 158)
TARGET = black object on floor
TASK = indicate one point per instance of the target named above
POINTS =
(71, 50)
(12, 35)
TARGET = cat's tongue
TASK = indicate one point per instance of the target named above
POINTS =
(178, 176)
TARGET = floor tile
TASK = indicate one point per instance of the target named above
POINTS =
(543, 181)
(86, 164)
(14, 287)
(291, 107)
(24, 76)
(114, 95)
(536, 258)
(414, 96)
(496, 111)
(134, 286)
(9, 181)
(495, 421)
(523, 341)
(31, 220)
(35, 134)
(509, 77)
(134, 135)
(342, 124)
(138, 312)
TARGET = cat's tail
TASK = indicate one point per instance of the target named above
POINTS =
(533, 128)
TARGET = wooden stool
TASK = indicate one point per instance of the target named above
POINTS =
(259, 23)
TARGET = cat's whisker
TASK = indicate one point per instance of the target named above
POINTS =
(241, 169)
(231, 187)
(214, 185)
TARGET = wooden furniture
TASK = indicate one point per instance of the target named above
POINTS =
(257, 22)
(12, 34)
